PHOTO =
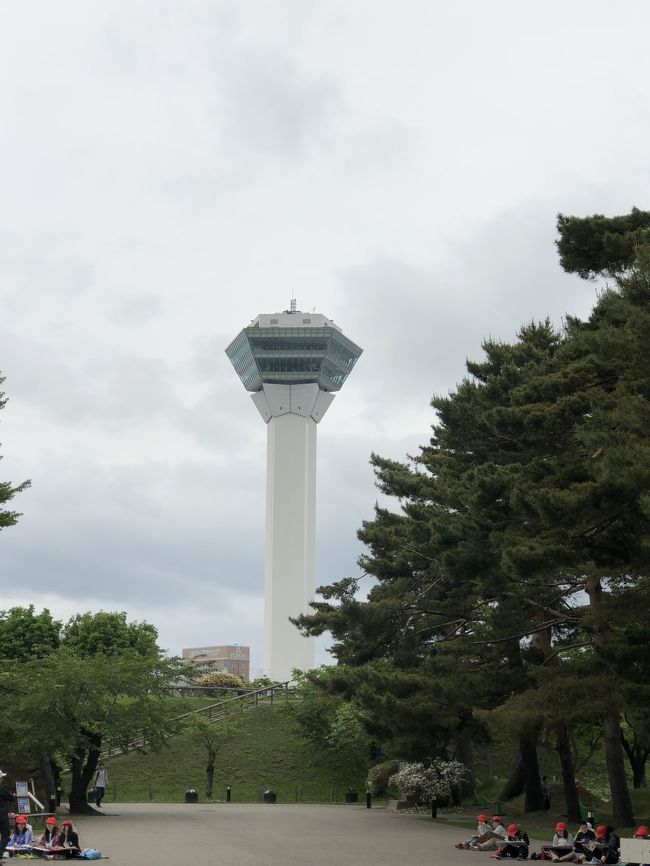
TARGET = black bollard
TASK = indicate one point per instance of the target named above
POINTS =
(228, 793)
(368, 800)
(434, 808)
(53, 805)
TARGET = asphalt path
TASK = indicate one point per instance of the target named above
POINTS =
(151, 834)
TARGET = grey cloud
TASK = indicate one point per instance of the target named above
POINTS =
(268, 106)
(137, 308)
(130, 531)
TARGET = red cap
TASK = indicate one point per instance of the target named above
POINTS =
(67, 821)
(50, 820)
(20, 819)
(481, 817)
(561, 826)
(496, 817)
(601, 830)
(512, 829)
(641, 831)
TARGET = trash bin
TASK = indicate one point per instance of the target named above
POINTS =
(191, 796)
(351, 796)
(270, 797)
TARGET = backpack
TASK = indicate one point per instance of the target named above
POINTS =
(89, 854)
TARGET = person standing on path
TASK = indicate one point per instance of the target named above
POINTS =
(101, 781)
(6, 799)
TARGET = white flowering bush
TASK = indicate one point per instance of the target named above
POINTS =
(426, 784)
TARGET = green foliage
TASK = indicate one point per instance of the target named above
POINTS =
(521, 536)
(7, 490)
(106, 681)
(379, 776)
(26, 635)
(333, 725)
(591, 246)
(109, 633)
(348, 739)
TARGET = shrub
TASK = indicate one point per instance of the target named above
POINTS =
(425, 784)
(379, 776)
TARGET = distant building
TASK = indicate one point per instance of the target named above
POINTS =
(235, 660)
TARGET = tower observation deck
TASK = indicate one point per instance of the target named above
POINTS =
(293, 362)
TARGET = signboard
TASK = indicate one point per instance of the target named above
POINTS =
(636, 850)
(22, 795)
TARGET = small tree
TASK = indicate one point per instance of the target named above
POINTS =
(212, 736)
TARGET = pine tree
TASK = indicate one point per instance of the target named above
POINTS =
(7, 490)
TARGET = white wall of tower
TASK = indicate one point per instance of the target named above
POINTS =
(290, 540)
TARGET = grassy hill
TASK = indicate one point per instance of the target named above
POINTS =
(264, 752)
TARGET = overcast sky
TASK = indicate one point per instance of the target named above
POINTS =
(168, 170)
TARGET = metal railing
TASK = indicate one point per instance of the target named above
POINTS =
(215, 712)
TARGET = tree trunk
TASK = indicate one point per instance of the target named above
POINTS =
(621, 801)
(516, 781)
(81, 776)
(637, 758)
(209, 779)
(571, 797)
(543, 640)
(534, 799)
(465, 754)
(48, 777)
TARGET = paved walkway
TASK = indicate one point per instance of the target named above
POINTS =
(139, 834)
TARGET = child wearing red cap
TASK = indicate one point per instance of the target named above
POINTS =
(50, 842)
(482, 828)
(69, 839)
(495, 837)
(607, 846)
(516, 844)
(562, 843)
(21, 838)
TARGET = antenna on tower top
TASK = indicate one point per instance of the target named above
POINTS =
(292, 304)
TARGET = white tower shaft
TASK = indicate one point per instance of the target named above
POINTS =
(291, 413)
(290, 537)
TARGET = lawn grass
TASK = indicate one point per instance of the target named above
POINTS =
(264, 752)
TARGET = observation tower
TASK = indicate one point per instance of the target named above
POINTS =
(293, 362)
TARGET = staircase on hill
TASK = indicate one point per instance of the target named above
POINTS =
(216, 712)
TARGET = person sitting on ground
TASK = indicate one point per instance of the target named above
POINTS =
(582, 846)
(607, 845)
(21, 839)
(516, 844)
(50, 842)
(584, 841)
(491, 840)
(69, 839)
(482, 829)
(562, 843)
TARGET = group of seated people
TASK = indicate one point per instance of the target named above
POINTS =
(595, 846)
(54, 843)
